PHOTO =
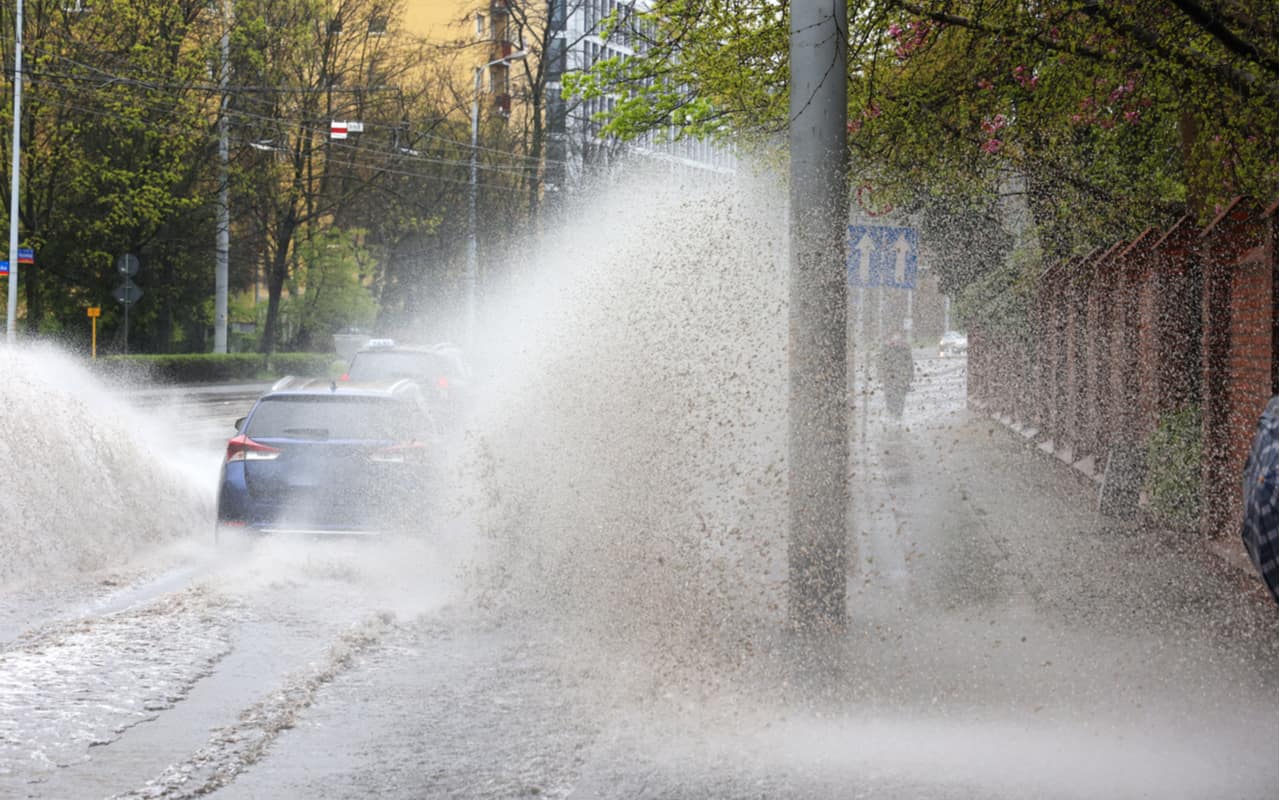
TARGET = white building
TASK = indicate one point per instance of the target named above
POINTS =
(575, 146)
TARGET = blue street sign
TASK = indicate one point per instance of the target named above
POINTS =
(25, 256)
(882, 255)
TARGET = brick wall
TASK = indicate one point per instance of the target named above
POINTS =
(1137, 330)
(1251, 355)
(1237, 343)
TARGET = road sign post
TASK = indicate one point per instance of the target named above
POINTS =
(127, 292)
(94, 312)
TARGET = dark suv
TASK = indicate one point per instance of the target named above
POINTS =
(440, 370)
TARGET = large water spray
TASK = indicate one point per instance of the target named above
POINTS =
(88, 481)
(630, 445)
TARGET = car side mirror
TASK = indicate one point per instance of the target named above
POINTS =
(240, 423)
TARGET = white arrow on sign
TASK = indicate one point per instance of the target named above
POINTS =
(900, 250)
(865, 248)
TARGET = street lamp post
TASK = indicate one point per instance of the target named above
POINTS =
(472, 267)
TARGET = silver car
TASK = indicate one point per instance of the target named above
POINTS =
(953, 344)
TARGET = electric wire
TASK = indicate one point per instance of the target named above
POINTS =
(378, 167)
(214, 89)
(372, 157)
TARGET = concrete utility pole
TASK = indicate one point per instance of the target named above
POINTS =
(817, 550)
(11, 322)
(224, 196)
(472, 223)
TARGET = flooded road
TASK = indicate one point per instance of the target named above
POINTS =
(1005, 642)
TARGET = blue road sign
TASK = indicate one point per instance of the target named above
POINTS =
(25, 256)
(882, 255)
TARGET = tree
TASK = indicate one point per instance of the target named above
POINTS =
(311, 63)
(120, 141)
(101, 176)
(332, 293)
(1113, 115)
(1117, 115)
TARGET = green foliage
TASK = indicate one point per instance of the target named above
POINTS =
(120, 153)
(112, 147)
(1173, 467)
(291, 182)
(1110, 116)
(706, 68)
(190, 368)
(331, 295)
(1000, 301)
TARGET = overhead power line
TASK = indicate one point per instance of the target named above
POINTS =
(397, 168)
(37, 75)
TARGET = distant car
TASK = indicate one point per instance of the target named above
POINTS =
(440, 370)
(952, 344)
(319, 457)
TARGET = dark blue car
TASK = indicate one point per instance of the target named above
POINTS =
(319, 457)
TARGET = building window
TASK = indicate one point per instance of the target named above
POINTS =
(479, 24)
(377, 26)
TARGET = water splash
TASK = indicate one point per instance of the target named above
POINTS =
(89, 481)
(628, 458)
(627, 465)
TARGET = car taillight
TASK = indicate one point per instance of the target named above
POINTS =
(399, 453)
(242, 448)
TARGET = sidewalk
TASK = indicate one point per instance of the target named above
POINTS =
(1003, 642)
(948, 467)
(986, 587)
(1226, 548)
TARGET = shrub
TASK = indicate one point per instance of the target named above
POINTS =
(1173, 467)
(309, 365)
(212, 367)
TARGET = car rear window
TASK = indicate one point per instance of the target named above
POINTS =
(324, 417)
(372, 366)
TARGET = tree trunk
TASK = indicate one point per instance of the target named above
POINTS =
(277, 272)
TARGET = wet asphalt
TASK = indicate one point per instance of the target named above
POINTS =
(1004, 641)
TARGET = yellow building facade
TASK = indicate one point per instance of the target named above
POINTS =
(480, 28)
(440, 20)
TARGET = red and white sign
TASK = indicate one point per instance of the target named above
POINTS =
(337, 130)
